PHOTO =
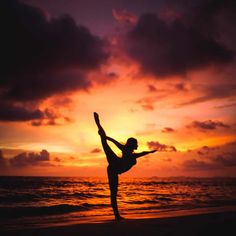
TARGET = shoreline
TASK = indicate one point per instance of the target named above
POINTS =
(184, 222)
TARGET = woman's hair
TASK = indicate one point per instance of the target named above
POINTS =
(131, 143)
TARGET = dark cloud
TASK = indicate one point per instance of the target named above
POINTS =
(29, 159)
(215, 18)
(62, 101)
(112, 75)
(168, 130)
(181, 87)
(206, 150)
(161, 147)
(96, 150)
(191, 41)
(152, 88)
(57, 159)
(42, 56)
(226, 159)
(11, 112)
(37, 123)
(51, 122)
(196, 165)
(148, 107)
(212, 158)
(226, 105)
(213, 92)
(207, 125)
(3, 161)
(41, 85)
(147, 103)
(200, 153)
(26, 159)
(233, 144)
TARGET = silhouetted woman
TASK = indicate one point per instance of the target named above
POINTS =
(118, 165)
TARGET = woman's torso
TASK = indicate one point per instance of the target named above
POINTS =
(125, 163)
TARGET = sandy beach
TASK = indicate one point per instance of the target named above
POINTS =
(185, 223)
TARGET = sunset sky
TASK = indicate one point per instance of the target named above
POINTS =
(162, 71)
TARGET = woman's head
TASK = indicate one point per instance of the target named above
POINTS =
(131, 143)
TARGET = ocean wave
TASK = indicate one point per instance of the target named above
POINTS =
(9, 212)
(18, 197)
(159, 200)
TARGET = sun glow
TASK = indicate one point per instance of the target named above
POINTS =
(176, 96)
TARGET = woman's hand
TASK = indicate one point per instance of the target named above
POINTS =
(152, 151)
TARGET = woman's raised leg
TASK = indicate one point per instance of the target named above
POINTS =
(110, 155)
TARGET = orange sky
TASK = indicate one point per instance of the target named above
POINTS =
(193, 111)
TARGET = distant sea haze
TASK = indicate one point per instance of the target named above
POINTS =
(54, 197)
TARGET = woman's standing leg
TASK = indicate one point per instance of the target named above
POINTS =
(113, 184)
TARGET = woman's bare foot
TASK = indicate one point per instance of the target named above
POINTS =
(96, 118)
(119, 218)
(101, 131)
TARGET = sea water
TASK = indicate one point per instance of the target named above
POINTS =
(59, 200)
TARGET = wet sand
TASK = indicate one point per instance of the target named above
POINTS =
(214, 223)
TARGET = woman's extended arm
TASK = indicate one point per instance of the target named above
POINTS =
(119, 145)
(140, 154)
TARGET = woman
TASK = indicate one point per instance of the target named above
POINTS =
(117, 165)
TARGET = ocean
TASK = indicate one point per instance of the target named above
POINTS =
(42, 201)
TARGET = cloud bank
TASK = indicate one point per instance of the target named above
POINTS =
(193, 40)
(25, 159)
(42, 57)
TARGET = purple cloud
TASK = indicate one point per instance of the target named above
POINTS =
(96, 150)
(168, 130)
(42, 57)
(226, 159)
(196, 165)
(207, 125)
(29, 159)
(161, 147)
(168, 49)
